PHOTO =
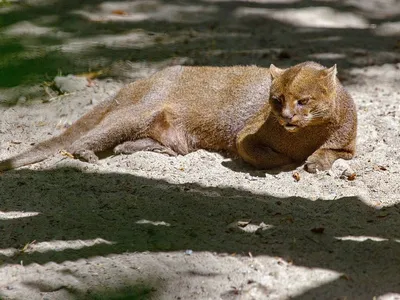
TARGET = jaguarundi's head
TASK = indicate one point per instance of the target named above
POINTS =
(303, 95)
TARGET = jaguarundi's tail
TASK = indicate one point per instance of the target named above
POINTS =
(49, 147)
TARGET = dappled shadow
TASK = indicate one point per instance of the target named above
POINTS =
(128, 292)
(239, 165)
(38, 41)
(121, 209)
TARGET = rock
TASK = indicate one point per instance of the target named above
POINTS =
(342, 168)
(70, 83)
(22, 100)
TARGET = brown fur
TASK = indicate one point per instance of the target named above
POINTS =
(247, 112)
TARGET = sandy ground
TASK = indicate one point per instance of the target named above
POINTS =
(148, 226)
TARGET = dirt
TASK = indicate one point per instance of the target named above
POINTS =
(201, 226)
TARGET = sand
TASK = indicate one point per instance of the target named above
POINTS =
(200, 226)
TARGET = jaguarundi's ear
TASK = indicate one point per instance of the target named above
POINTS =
(275, 71)
(332, 70)
(329, 77)
(329, 73)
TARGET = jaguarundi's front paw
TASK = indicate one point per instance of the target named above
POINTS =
(315, 163)
(86, 155)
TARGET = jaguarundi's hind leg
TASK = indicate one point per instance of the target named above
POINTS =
(106, 135)
(145, 144)
(97, 140)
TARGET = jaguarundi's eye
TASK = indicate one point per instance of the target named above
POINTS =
(303, 101)
(277, 99)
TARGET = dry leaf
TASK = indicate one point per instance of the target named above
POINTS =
(296, 176)
(90, 82)
(318, 230)
(382, 214)
(66, 154)
(345, 276)
(243, 223)
(119, 12)
(41, 124)
(352, 176)
(91, 75)
(289, 261)
(289, 219)
(27, 246)
(380, 168)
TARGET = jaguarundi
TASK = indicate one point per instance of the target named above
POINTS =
(269, 117)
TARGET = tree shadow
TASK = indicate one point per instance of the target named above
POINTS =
(129, 292)
(239, 165)
(122, 209)
(77, 36)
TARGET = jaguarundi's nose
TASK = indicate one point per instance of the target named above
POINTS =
(287, 115)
